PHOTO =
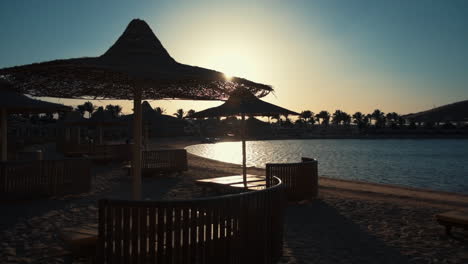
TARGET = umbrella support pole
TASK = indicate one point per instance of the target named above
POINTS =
(100, 134)
(4, 133)
(244, 163)
(136, 160)
(78, 135)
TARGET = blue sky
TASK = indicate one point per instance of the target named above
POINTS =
(402, 56)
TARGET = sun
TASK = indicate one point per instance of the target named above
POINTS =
(227, 76)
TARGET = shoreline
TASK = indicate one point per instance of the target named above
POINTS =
(350, 222)
(360, 222)
(344, 187)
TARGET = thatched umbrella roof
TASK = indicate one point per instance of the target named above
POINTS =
(14, 102)
(243, 102)
(455, 112)
(136, 67)
(137, 58)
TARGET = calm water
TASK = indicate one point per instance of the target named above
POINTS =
(431, 164)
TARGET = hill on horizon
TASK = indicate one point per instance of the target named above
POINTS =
(455, 112)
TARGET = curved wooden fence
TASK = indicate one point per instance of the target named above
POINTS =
(300, 179)
(239, 228)
(42, 178)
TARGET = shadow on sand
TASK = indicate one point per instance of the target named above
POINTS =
(153, 189)
(317, 233)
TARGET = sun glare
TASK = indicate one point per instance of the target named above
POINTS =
(227, 76)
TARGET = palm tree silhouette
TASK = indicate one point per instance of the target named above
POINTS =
(358, 119)
(345, 118)
(379, 118)
(190, 112)
(81, 109)
(324, 116)
(160, 110)
(276, 117)
(115, 110)
(337, 117)
(89, 107)
(179, 113)
(306, 115)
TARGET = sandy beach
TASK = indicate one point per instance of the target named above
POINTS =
(350, 222)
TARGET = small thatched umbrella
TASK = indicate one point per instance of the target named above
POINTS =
(242, 102)
(136, 67)
(12, 102)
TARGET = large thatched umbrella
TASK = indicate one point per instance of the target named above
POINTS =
(136, 67)
(242, 103)
(12, 102)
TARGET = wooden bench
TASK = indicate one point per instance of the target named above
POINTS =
(453, 219)
(300, 179)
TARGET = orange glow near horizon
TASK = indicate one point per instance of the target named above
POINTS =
(309, 68)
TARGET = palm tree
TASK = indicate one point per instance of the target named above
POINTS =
(89, 107)
(379, 118)
(179, 113)
(345, 118)
(337, 117)
(358, 119)
(324, 116)
(276, 117)
(115, 110)
(190, 112)
(366, 121)
(392, 119)
(81, 109)
(160, 110)
(306, 115)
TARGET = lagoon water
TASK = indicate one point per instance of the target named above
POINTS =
(437, 164)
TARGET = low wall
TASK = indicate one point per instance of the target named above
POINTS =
(42, 178)
(300, 179)
(239, 228)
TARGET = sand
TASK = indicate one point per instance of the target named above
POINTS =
(350, 222)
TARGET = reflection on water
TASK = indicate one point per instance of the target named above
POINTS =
(433, 164)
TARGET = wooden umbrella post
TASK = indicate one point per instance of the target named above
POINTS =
(78, 135)
(244, 165)
(100, 133)
(4, 133)
(136, 161)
